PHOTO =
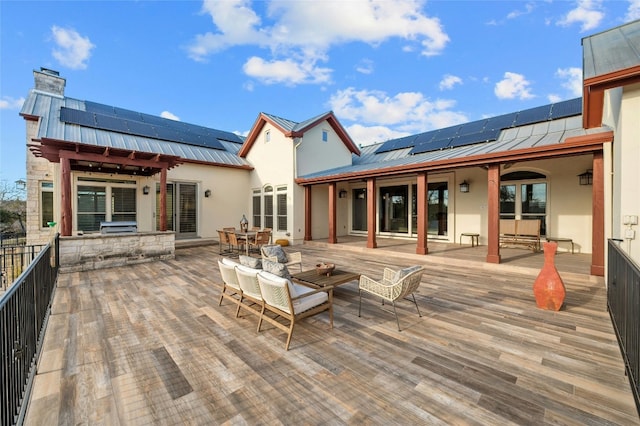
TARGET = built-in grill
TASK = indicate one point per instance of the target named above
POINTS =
(124, 227)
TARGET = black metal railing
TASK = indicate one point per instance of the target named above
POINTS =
(623, 302)
(24, 311)
(14, 259)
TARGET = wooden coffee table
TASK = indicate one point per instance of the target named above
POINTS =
(337, 277)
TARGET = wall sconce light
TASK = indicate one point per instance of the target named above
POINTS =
(586, 178)
(207, 193)
(464, 186)
(342, 193)
(145, 189)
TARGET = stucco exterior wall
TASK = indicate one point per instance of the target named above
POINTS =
(273, 163)
(627, 145)
(315, 155)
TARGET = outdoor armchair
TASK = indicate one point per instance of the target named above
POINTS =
(230, 287)
(292, 302)
(394, 285)
(248, 281)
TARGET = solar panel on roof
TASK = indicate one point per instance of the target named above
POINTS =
(472, 127)
(501, 121)
(533, 115)
(447, 132)
(566, 108)
(98, 108)
(484, 136)
(75, 116)
(435, 145)
(393, 144)
(107, 122)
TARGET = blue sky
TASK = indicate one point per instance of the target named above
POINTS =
(386, 68)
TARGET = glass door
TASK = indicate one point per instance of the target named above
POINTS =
(394, 209)
(181, 209)
(359, 209)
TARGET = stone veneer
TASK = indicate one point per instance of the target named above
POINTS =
(98, 251)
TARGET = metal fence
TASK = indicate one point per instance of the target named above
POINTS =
(24, 311)
(14, 259)
(623, 301)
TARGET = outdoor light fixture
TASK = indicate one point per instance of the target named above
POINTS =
(586, 178)
(145, 189)
(342, 194)
(207, 193)
(464, 186)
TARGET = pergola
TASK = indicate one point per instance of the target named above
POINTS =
(93, 158)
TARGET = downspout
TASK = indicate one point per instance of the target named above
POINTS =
(297, 142)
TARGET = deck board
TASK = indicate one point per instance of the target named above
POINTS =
(148, 344)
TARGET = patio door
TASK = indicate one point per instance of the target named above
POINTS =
(181, 209)
(524, 200)
(437, 209)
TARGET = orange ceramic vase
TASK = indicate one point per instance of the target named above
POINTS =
(548, 288)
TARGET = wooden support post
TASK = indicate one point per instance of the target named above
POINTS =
(371, 213)
(163, 199)
(422, 185)
(307, 213)
(332, 213)
(597, 216)
(493, 211)
(66, 217)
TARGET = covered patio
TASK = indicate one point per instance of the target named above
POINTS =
(148, 344)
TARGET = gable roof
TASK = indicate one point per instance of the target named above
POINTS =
(292, 129)
(610, 59)
(65, 121)
(542, 139)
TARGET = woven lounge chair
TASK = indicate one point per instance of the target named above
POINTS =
(291, 302)
(394, 285)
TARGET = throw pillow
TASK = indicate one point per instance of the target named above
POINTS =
(251, 262)
(275, 251)
(276, 268)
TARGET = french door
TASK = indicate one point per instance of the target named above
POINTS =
(182, 211)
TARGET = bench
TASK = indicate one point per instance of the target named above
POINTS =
(520, 232)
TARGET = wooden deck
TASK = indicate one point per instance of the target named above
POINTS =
(148, 344)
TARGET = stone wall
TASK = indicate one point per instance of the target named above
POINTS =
(97, 251)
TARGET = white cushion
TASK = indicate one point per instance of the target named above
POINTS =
(308, 302)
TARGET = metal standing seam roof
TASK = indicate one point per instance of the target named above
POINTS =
(516, 138)
(612, 50)
(47, 106)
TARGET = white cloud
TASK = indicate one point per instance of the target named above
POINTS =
(528, 8)
(405, 112)
(587, 13)
(8, 102)
(448, 81)
(572, 80)
(72, 50)
(286, 71)
(365, 66)
(363, 135)
(553, 98)
(513, 86)
(169, 115)
(633, 12)
(295, 33)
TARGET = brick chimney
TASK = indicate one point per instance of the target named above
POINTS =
(49, 81)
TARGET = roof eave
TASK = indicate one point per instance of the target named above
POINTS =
(571, 146)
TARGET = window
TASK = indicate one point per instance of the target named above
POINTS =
(123, 204)
(325, 136)
(46, 204)
(92, 203)
(257, 211)
(100, 200)
(526, 199)
(282, 208)
(268, 206)
(267, 136)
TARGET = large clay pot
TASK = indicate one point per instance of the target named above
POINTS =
(548, 288)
